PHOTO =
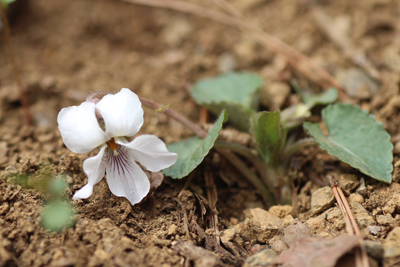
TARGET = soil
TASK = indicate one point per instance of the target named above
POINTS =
(68, 49)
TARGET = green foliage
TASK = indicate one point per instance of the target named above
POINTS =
(6, 2)
(58, 215)
(266, 129)
(238, 93)
(192, 151)
(356, 138)
(327, 97)
(293, 116)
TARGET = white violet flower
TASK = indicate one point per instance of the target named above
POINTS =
(105, 124)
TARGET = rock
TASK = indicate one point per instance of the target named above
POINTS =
(357, 83)
(281, 211)
(374, 249)
(288, 220)
(293, 233)
(322, 199)
(348, 183)
(263, 224)
(391, 245)
(356, 197)
(278, 246)
(172, 230)
(361, 215)
(335, 218)
(374, 229)
(266, 257)
(227, 235)
(386, 220)
(316, 224)
(362, 189)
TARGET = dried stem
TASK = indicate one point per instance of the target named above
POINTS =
(192, 126)
(298, 61)
(256, 161)
(212, 199)
(351, 224)
(251, 177)
(296, 147)
(14, 64)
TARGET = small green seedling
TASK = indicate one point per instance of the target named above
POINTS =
(354, 135)
(57, 213)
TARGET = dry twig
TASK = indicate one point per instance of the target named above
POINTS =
(213, 198)
(351, 224)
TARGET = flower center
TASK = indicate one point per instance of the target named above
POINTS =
(112, 145)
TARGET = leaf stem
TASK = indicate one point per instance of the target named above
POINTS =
(192, 126)
(245, 171)
(14, 64)
(257, 162)
(297, 146)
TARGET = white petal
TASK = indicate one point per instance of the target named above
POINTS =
(79, 128)
(122, 113)
(95, 170)
(124, 177)
(151, 152)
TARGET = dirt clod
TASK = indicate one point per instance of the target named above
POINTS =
(322, 199)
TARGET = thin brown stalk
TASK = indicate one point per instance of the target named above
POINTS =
(185, 217)
(14, 64)
(213, 198)
(351, 224)
(192, 126)
(297, 60)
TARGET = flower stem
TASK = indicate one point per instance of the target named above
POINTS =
(257, 162)
(251, 177)
(297, 146)
(14, 64)
(192, 126)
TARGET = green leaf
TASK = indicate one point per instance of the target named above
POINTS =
(266, 130)
(192, 151)
(238, 93)
(311, 100)
(6, 2)
(356, 138)
(58, 215)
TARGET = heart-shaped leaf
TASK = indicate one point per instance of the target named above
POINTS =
(238, 93)
(356, 138)
(192, 151)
